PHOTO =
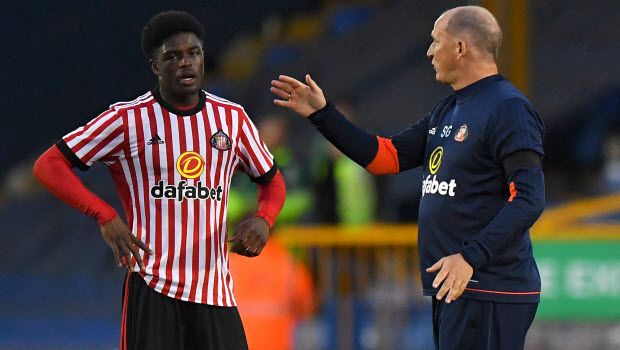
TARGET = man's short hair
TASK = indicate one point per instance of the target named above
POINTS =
(484, 30)
(166, 24)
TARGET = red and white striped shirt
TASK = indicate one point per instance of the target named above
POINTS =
(172, 169)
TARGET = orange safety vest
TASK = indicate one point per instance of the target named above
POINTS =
(273, 292)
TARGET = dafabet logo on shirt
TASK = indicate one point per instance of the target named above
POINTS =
(190, 165)
(435, 161)
(432, 185)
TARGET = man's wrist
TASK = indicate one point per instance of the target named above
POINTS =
(106, 216)
(472, 253)
(268, 219)
(320, 113)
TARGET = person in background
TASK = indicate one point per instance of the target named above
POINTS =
(274, 292)
(344, 193)
(274, 132)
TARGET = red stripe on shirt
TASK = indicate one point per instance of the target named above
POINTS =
(135, 222)
(496, 292)
(156, 233)
(197, 214)
(169, 137)
(184, 210)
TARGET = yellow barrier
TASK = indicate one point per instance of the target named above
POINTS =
(565, 222)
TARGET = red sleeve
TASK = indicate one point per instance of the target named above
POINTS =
(53, 170)
(386, 160)
(271, 198)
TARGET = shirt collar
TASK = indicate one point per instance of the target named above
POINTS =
(466, 93)
(181, 112)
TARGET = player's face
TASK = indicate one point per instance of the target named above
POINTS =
(443, 52)
(179, 64)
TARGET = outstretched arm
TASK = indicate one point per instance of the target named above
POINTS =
(376, 154)
(53, 170)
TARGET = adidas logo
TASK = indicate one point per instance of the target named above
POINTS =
(155, 140)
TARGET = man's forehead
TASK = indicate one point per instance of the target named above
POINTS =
(180, 40)
(441, 22)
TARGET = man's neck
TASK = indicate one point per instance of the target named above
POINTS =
(473, 74)
(186, 101)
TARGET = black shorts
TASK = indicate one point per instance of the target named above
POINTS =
(154, 321)
(468, 324)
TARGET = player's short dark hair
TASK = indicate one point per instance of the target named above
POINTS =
(164, 25)
(485, 32)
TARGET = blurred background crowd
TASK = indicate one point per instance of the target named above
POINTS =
(341, 269)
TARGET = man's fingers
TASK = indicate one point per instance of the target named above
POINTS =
(254, 247)
(287, 88)
(448, 284)
(239, 245)
(141, 245)
(443, 290)
(249, 243)
(239, 249)
(312, 84)
(282, 103)
(117, 258)
(455, 292)
(291, 81)
(436, 266)
(137, 255)
(239, 231)
(126, 253)
(234, 237)
(440, 277)
(259, 248)
(281, 93)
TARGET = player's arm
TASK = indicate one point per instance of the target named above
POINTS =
(255, 160)
(55, 172)
(101, 139)
(251, 235)
(378, 155)
(526, 183)
(515, 139)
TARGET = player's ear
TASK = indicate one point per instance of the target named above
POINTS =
(461, 49)
(154, 67)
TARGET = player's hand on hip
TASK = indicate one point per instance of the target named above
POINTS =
(455, 273)
(118, 236)
(297, 96)
(250, 237)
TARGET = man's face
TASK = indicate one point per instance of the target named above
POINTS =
(443, 52)
(179, 64)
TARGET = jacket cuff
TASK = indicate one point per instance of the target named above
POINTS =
(321, 114)
(473, 254)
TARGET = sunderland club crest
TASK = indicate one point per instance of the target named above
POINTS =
(461, 135)
(220, 141)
